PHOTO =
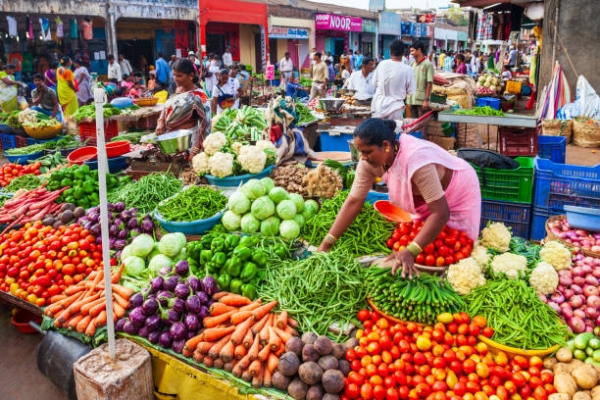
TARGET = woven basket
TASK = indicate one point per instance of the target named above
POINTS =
(552, 236)
(43, 132)
(586, 132)
(446, 143)
(495, 347)
(393, 319)
(146, 102)
(558, 127)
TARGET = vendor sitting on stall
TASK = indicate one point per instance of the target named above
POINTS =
(362, 81)
(225, 93)
(295, 90)
(423, 180)
(44, 99)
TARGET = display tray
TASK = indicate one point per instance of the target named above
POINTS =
(17, 302)
(525, 121)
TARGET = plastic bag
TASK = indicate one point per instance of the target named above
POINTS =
(586, 104)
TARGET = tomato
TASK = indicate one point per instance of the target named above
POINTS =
(511, 388)
(390, 243)
(352, 390)
(474, 330)
(546, 377)
(392, 394)
(440, 261)
(488, 332)
(430, 260)
(429, 249)
(473, 387)
(460, 389)
(366, 391)
(450, 242)
(521, 361)
(539, 393)
(423, 390)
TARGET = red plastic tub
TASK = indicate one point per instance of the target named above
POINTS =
(82, 154)
(21, 321)
(116, 149)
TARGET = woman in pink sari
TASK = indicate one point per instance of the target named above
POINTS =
(422, 178)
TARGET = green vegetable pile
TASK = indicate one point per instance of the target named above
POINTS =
(89, 112)
(65, 142)
(193, 204)
(11, 119)
(21, 151)
(247, 123)
(519, 318)
(83, 185)
(133, 137)
(27, 182)
(146, 193)
(420, 299)
(305, 115)
(318, 291)
(50, 161)
(3, 198)
(486, 111)
(367, 234)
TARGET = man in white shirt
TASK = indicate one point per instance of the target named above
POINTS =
(114, 70)
(362, 81)
(227, 58)
(286, 67)
(475, 63)
(393, 81)
(125, 66)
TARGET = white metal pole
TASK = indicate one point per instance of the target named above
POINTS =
(99, 100)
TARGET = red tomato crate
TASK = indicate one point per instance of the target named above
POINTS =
(87, 131)
(515, 142)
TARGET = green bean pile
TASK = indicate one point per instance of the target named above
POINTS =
(317, 291)
(486, 111)
(367, 234)
(519, 318)
(193, 204)
(146, 193)
(27, 182)
(305, 115)
(420, 299)
(21, 151)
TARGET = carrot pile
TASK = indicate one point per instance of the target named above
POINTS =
(83, 306)
(243, 337)
(30, 206)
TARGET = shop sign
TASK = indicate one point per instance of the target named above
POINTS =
(389, 23)
(369, 25)
(279, 32)
(335, 22)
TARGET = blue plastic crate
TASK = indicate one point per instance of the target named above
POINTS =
(557, 185)
(515, 215)
(8, 141)
(336, 142)
(488, 101)
(538, 223)
(553, 148)
(374, 196)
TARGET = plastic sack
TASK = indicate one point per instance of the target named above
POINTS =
(587, 103)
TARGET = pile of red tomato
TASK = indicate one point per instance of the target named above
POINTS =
(441, 362)
(9, 171)
(449, 247)
(38, 261)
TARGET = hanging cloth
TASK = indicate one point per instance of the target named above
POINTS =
(29, 25)
(60, 28)
(46, 34)
(86, 28)
(12, 26)
(73, 31)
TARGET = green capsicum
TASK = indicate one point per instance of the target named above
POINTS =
(205, 256)
(231, 241)
(249, 291)
(280, 250)
(248, 241)
(206, 241)
(234, 266)
(217, 245)
(235, 286)
(242, 252)
(194, 267)
(260, 258)
(193, 251)
(212, 269)
(219, 258)
(223, 281)
(250, 270)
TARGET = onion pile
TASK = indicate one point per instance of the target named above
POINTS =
(577, 297)
(577, 237)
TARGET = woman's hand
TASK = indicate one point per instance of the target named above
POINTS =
(405, 260)
(325, 246)
(160, 129)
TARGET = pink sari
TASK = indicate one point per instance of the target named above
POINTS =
(462, 194)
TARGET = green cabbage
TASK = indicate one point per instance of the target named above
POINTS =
(289, 229)
(253, 189)
(134, 266)
(268, 184)
(262, 208)
(286, 209)
(159, 261)
(270, 226)
(278, 194)
(182, 239)
(298, 201)
(142, 245)
(239, 203)
(154, 252)
(126, 252)
(310, 208)
(170, 245)
(250, 224)
(231, 221)
(300, 220)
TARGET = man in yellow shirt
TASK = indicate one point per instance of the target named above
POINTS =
(320, 75)
(441, 60)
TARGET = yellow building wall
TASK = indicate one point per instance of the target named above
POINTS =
(247, 50)
(282, 47)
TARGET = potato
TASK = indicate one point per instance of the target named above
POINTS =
(564, 355)
(549, 363)
(288, 364)
(564, 383)
(310, 373)
(297, 389)
(581, 396)
(595, 393)
(559, 396)
(586, 376)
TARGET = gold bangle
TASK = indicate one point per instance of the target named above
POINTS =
(330, 238)
(414, 249)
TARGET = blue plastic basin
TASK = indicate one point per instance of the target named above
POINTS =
(583, 218)
(115, 164)
(232, 181)
(189, 228)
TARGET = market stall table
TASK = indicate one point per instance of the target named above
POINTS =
(144, 117)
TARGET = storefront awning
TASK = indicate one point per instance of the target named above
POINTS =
(233, 12)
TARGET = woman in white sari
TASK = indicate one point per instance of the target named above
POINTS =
(84, 82)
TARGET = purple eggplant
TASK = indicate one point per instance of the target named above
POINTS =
(150, 307)
(132, 223)
(143, 332)
(173, 316)
(137, 317)
(203, 297)
(192, 323)
(194, 284)
(119, 325)
(170, 283)
(120, 206)
(204, 312)
(190, 335)
(113, 231)
(182, 268)
(99, 240)
(124, 234)
(182, 291)
(118, 222)
(209, 285)
(156, 284)
(130, 328)
(177, 331)
(136, 300)
(87, 225)
(93, 216)
(95, 230)
(178, 305)
(193, 304)
(165, 340)
(153, 337)
(163, 297)
(120, 244)
(153, 323)
(210, 302)
(125, 216)
(147, 225)
(177, 345)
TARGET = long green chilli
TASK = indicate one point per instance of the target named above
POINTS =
(317, 291)
(193, 204)
(28, 182)
(367, 234)
(519, 318)
(146, 193)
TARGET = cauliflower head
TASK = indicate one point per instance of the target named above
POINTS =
(556, 254)
(252, 159)
(236, 147)
(512, 265)
(265, 144)
(214, 142)
(200, 164)
(465, 276)
(481, 255)
(544, 278)
(221, 165)
(496, 236)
